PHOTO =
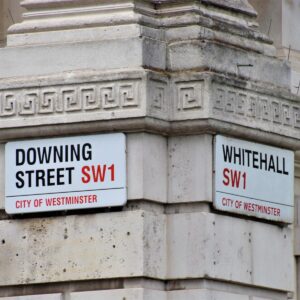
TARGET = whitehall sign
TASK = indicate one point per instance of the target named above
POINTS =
(65, 173)
(254, 179)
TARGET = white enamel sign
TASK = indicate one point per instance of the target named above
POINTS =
(254, 179)
(65, 173)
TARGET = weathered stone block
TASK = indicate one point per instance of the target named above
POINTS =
(272, 256)
(209, 54)
(147, 167)
(82, 247)
(111, 54)
(69, 80)
(190, 168)
(229, 249)
(155, 246)
(204, 244)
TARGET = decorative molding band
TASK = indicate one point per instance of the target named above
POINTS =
(56, 100)
(257, 110)
(188, 99)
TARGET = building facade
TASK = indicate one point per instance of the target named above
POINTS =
(174, 78)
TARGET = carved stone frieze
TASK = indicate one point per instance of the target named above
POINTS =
(189, 99)
(55, 100)
(194, 98)
(248, 107)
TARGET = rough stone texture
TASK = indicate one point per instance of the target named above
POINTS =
(155, 255)
(203, 252)
(159, 71)
(133, 244)
(147, 167)
(190, 162)
(233, 23)
(38, 17)
(229, 249)
(73, 56)
(210, 55)
(125, 40)
(268, 259)
(81, 247)
(144, 100)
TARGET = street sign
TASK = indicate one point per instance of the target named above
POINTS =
(65, 173)
(254, 179)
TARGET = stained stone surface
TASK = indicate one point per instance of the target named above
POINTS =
(83, 247)
(143, 244)
(171, 75)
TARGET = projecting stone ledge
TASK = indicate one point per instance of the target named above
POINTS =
(241, 6)
(216, 35)
(140, 100)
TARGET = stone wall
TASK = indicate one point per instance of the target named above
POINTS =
(170, 75)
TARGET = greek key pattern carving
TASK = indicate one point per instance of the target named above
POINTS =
(157, 95)
(254, 106)
(189, 96)
(69, 99)
(160, 98)
(8, 104)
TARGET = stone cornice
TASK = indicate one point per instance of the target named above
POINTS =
(238, 5)
(140, 100)
(212, 71)
(214, 34)
(51, 15)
